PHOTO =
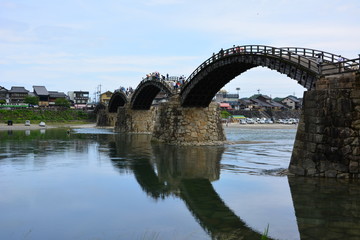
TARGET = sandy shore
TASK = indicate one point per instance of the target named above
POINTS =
(5, 127)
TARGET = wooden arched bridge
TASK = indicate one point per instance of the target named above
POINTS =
(327, 141)
(304, 65)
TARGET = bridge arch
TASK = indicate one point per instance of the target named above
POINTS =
(118, 99)
(146, 92)
(299, 64)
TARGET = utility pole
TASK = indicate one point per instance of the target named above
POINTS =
(98, 92)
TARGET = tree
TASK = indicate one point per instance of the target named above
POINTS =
(62, 102)
(225, 114)
(2, 101)
(33, 100)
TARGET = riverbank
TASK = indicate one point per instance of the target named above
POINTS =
(261, 126)
(5, 127)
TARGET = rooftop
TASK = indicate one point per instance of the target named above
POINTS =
(18, 90)
(40, 91)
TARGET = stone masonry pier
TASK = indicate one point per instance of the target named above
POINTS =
(169, 123)
(188, 126)
(105, 118)
(135, 121)
(327, 141)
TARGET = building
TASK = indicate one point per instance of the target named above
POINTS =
(227, 100)
(42, 93)
(224, 96)
(17, 95)
(264, 102)
(105, 97)
(4, 95)
(246, 104)
(53, 95)
(292, 102)
(160, 97)
(79, 98)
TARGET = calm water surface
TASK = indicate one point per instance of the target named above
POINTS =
(94, 184)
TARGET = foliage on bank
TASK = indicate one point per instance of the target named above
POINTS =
(46, 115)
(225, 114)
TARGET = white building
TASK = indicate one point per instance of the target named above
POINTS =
(79, 98)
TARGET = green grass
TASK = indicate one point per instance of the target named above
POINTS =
(46, 115)
(265, 234)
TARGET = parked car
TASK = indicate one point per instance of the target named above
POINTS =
(250, 121)
(242, 121)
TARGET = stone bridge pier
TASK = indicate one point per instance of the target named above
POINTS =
(171, 123)
(175, 124)
(105, 118)
(327, 141)
(135, 121)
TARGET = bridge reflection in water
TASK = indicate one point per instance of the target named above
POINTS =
(324, 208)
(184, 172)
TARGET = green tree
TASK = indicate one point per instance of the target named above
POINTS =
(33, 100)
(62, 102)
(2, 101)
(225, 114)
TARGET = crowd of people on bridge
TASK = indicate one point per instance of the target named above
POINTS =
(175, 82)
(128, 91)
(233, 50)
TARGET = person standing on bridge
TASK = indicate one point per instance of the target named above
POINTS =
(221, 52)
(341, 64)
(320, 59)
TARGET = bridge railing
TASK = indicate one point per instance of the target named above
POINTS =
(315, 54)
(289, 54)
(349, 65)
(320, 62)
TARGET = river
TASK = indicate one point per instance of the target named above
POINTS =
(95, 184)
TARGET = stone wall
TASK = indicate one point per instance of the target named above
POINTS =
(104, 118)
(135, 121)
(188, 126)
(327, 140)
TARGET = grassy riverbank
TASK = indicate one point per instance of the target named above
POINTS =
(46, 115)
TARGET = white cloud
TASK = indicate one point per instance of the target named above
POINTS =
(90, 42)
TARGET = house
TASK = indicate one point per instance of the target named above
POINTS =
(79, 98)
(105, 97)
(227, 100)
(246, 104)
(53, 95)
(17, 95)
(260, 105)
(264, 102)
(292, 102)
(224, 96)
(42, 93)
(4, 95)
(225, 106)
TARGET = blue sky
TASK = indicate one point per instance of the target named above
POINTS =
(79, 44)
